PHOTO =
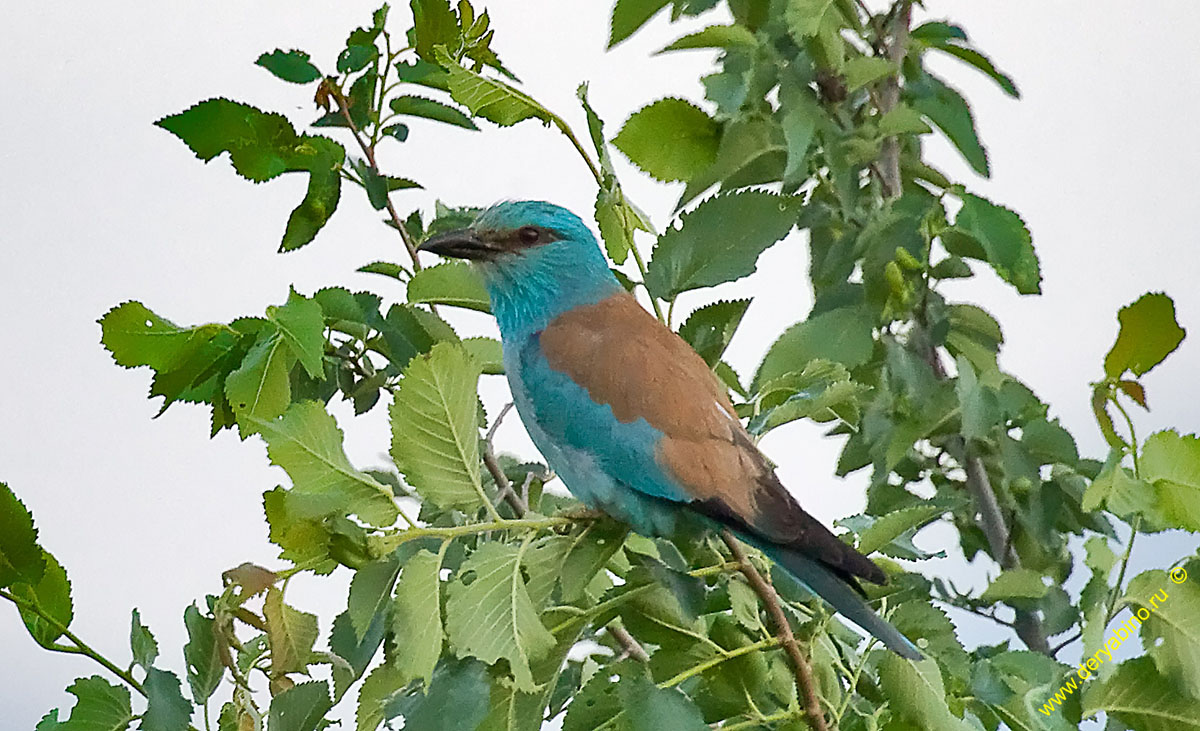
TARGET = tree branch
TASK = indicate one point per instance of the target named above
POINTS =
(889, 97)
(805, 683)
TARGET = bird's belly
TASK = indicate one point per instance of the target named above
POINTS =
(590, 483)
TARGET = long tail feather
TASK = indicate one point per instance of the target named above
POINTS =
(838, 594)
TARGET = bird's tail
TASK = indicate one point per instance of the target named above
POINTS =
(842, 597)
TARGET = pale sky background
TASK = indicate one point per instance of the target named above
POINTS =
(99, 207)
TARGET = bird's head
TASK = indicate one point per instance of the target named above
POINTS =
(536, 259)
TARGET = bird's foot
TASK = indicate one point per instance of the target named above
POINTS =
(583, 513)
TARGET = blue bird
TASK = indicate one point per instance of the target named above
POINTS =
(628, 415)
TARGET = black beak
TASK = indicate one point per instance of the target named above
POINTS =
(460, 244)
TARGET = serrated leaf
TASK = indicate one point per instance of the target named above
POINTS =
(629, 15)
(435, 428)
(52, 595)
(142, 644)
(417, 617)
(202, 655)
(1018, 584)
(100, 706)
(419, 106)
(260, 389)
(1171, 463)
(137, 337)
(423, 73)
(386, 268)
(377, 690)
(804, 17)
(21, 558)
(457, 698)
(715, 36)
(357, 654)
(720, 241)
(491, 99)
(650, 708)
(888, 527)
(451, 283)
(1149, 333)
(1004, 239)
(709, 329)
(492, 617)
(1171, 634)
(915, 692)
(302, 325)
(977, 403)
(751, 151)
(300, 708)
(434, 24)
(487, 352)
(166, 709)
(262, 146)
(862, 70)
(843, 335)
(307, 443)
(671, 139)
(822, 391)
(802, 113)
(1137, 695)
(290, 632)
(370, 592)
(950, 113)
(293, 66)
(902, 119)
(1124, 495)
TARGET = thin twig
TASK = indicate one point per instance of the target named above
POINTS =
(519, 506)
(805, 683)
(369, 152)
(889, 97)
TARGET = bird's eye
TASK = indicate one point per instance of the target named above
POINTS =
(529, 235)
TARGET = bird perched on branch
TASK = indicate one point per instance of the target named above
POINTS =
(629, 415)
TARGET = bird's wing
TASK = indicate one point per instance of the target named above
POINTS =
(672, 432)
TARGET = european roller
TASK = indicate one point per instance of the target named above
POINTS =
(628, 415)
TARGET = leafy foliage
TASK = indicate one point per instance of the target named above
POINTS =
(481, 600)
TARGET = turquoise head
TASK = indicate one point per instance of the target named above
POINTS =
(536, 259)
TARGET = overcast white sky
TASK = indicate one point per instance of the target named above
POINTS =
(99, 207)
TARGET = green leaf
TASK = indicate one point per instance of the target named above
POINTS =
(802, 114)
(975, 335)
(417, 617)
(370, 593)
(650, 708)
(292, 66)
(843, 335)
(1149, 333)
(950, 113)
(863, 70)
(457, 699)
(21, 559)
(300, 708)
(260, 389)
(751, 151)
(452, 283)
(617, 219)
(52, 595)
(822, 391)
(290, 632)
(137, 337)
(901, 120)
(307, 444)
(1171, 634)
(1138, 696)
(492, 617)
(166, 709)
(804, 17)
(1124, 495)
(715, 36)
(491, 99)
(671, 139)
(101, 706)
(386, 268)
(435, 428)
(629, 15)
(709, 329)
(303, 326)
(434, 24)
(1004, 239)
(971, 57)
(888, 527)
(978, 404)
(142, 644)
(1049, 442)
(262, 146)
(915, 692)
(488, 353)
(720, 241)
(356, 57)
(202, 655)
(1171, 463)
(419, 106)
(1018, 584)
(423, 73)
(376, 691)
